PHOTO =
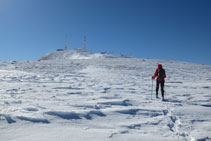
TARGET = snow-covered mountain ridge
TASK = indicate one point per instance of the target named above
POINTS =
(85, 96)
(76, 54)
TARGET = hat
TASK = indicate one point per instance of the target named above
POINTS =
(160, 66)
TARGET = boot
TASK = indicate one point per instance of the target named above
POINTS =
(156, 95)
(163, 96)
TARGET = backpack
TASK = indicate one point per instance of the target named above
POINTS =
(161, 73)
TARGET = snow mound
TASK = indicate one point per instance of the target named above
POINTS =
(77, 54)
(68, 54)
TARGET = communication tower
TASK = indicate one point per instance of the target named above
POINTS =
(65, 47)
(84, 43)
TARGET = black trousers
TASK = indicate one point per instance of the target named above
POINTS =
(161, 84)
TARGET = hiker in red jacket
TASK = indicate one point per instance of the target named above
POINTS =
(161, 75)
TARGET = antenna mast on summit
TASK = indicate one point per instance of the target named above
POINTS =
(84, 43)
(65, 48)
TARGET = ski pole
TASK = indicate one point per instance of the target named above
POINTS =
(165, 92)
(152, 89)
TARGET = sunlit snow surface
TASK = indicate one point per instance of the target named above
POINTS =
(76, 96)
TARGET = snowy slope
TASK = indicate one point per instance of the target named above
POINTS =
(84, 96)
(68, 54)
(77, 54)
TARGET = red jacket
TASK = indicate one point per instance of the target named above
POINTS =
(156, 74)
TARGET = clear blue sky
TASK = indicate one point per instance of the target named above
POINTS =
(158, 29)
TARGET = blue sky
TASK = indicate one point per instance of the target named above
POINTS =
(158, 29)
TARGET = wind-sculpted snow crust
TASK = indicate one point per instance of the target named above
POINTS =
(84, 96)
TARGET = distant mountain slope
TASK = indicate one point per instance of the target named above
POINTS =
(67, 54)
(77, 54)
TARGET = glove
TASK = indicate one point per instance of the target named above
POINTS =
(152, 77)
